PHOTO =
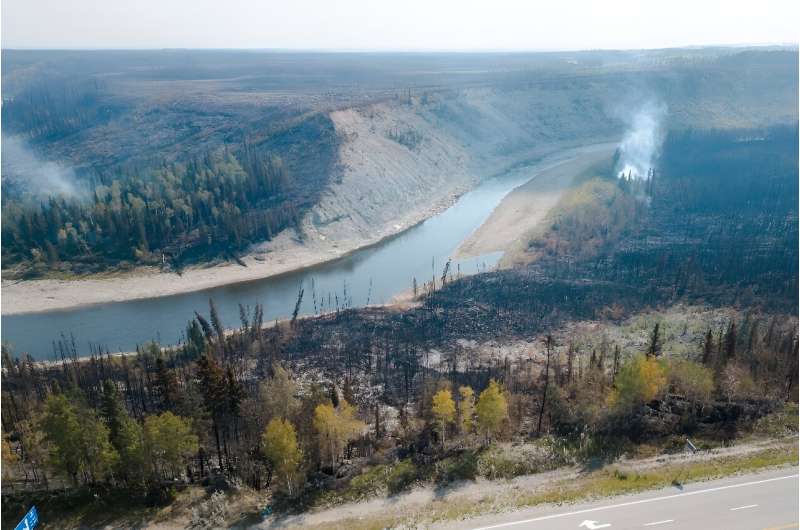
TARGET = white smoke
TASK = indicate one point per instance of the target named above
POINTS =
(34, 176)
(642, 142)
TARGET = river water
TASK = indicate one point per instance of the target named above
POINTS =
(372, 275)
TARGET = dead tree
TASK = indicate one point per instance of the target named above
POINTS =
(548, 342)
(297, 305)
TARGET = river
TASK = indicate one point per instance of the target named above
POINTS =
(371, 275)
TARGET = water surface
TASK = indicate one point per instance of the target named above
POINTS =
(372, 275)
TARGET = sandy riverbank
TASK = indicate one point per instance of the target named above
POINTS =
(284, 254)
(526, 206)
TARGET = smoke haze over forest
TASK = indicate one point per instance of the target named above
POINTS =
(416, 25)
(415, 264)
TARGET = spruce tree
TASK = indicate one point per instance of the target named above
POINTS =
(654, 346)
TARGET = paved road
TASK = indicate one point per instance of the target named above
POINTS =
(767, 500)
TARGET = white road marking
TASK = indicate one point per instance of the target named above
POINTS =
(744, 507)
(633, 503)
(593, 525)
(665, 521)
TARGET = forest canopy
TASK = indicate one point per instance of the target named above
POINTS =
(211, 206)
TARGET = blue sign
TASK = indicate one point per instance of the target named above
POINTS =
(30, 520)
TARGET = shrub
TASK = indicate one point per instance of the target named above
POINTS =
(640, 380)
(463, 466)
(597, 449)
(379, 479)
(160, 495)
(370, 482)
(211, 513)
(736, 383)
(508, 461)
(783, 422)
(690, 379)
(402, 476)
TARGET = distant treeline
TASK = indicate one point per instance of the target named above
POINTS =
(730, 172)
(212, 205)
(54, 108)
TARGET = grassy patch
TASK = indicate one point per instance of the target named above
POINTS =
(375, 480)
(609, 481)
(783, 422)
(509, 461)
(619, 481)
(464, 466)
(402, 476)
(497, 461)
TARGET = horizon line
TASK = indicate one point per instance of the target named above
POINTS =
(793, 45)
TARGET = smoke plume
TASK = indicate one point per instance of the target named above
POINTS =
(642, 142)
(28, 174)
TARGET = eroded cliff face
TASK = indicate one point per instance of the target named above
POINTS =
(402, 160)
(408, 156)
(396, 167)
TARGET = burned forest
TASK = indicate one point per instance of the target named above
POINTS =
(689, 293)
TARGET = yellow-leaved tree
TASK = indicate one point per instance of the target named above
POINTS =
(693, 380)
(444, 410)
(279, 446)
(335, 427)
(640, 380)
(492, 409)
(168, 440)
(466, 408)
(10, 458)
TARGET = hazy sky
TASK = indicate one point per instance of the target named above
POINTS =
(396, 24)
